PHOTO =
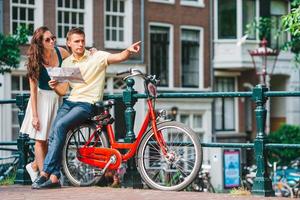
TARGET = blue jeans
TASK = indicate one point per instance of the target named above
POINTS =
(69, 115)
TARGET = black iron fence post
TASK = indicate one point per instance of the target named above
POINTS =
(22, 176)
(131, 178)
(262, 182)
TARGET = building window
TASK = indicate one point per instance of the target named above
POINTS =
(159, 53)
(118, 23)
(278, 9)
(249, 15)
(163, 1)
(190, 43)
(197, 3)
(225, 107)
(227, 19)
(71, 14)
(26, 13)
(197, 121)
(228, 14)
(193, 120)
(19, 85)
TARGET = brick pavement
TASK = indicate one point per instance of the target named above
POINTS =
(16, 192)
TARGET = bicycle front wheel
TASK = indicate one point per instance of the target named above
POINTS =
(176, 170)
(77, 172)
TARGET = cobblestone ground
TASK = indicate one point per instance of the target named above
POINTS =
(16, 192)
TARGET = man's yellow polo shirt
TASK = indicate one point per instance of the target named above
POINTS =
(93, 69)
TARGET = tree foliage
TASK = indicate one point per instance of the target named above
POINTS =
(291, 24)
(286, 134)
(263, 25)
(10, 52)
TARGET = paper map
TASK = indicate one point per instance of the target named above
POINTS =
(71, 74)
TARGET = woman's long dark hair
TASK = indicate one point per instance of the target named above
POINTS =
(35, 53)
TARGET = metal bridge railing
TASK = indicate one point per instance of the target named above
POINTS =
(262, 182)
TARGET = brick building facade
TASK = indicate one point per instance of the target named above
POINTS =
(176, 46)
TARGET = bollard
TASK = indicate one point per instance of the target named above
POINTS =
(131, 178)
(262, 183)
(129, 102)
(22, 176)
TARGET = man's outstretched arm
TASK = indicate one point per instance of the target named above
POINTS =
(124, 55)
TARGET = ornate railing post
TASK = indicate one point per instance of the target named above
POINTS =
(262, 182)
(22, 176)
(129, 102)
(131, 178)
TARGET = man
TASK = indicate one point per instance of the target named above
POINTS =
(79, 105)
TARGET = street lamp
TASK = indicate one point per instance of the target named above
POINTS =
(264, 52)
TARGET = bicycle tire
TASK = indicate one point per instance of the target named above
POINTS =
(79, 173)
(158, 172)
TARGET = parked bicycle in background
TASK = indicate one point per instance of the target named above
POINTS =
(285, 179)
(202, 181)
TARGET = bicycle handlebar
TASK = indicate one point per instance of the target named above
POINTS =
(136, 72)
(124, 72)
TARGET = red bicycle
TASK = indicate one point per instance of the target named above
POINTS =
(168, 153)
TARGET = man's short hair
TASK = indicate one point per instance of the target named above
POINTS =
(72, 31)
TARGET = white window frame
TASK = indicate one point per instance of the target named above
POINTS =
(200, 132)
(236, 103)
(171, 50)
(239, 22)
(201, 53)
(272, 14)
(162, 1)
(197, 3)
(38, 13)
(240, 33)
(87, 24)
(128, 26)
(191, 115)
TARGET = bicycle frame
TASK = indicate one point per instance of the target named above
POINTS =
(132, 147)
(98, 156)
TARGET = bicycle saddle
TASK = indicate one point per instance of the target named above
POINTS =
(100, 106)
(105, 104)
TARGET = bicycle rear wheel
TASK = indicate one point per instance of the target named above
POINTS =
(184, 157)
(77, 172)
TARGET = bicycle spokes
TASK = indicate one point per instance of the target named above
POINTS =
(80, 173)
(175, 169)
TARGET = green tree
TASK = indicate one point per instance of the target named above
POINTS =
(10, 52)
(291, 24)
(286, 134)
(263, 25)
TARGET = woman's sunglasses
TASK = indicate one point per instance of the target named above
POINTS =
(53, 38)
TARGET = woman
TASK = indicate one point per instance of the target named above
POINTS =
(43, 102)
